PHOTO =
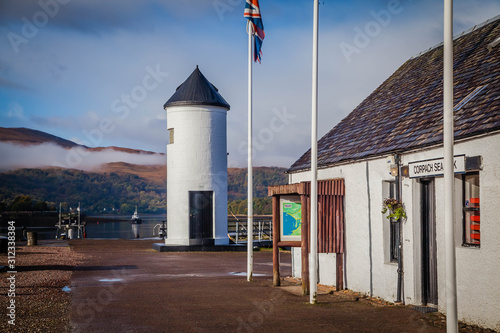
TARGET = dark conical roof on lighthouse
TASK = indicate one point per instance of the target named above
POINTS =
(196, 90)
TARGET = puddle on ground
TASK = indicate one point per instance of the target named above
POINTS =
(245, 274)
(270, 264)
(110, 280)
(208, 274)
(187, 275)
(66, 289)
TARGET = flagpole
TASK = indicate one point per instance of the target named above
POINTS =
(448, 138)
(313, 265)
(250, 168)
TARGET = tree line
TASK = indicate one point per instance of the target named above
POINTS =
(24, 203)
(112, 193)
(95, 192)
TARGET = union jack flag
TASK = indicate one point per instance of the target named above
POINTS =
(252, 13)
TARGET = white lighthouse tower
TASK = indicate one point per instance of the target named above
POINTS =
(197, 164)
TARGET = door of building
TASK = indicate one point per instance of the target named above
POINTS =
(200, 214)
(428, 239)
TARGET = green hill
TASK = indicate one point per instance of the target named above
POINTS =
(113, 192)
(96, 192)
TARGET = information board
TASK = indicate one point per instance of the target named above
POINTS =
(291, 217)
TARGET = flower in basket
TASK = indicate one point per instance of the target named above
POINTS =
(395, 208)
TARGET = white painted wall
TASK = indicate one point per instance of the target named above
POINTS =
(196, 161)
(477, 269)
(326, 269)
(360, 275)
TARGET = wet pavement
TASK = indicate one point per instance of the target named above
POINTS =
(125, 286)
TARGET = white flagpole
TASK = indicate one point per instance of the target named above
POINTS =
(313, 265)
(448, 132)
(250, 169)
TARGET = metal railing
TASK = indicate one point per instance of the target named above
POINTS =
(262, 228)
(160, 230)
(236, 228)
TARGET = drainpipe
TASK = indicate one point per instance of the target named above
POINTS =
(400, 233)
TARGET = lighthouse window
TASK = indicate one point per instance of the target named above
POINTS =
(170, 136)
(471, 210)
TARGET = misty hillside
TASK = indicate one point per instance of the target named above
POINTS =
(27, 137)
(108, 186)
(154, 173)
(28, 148)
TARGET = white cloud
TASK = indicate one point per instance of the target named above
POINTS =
(342, 85)
(16, 111)
(51, 155)
(71, 73)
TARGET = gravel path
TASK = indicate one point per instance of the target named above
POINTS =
(152, 279)
(43, 271)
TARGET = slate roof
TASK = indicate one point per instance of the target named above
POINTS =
(406, 111)
(196, 90)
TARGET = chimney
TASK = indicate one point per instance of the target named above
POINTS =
(493, 44)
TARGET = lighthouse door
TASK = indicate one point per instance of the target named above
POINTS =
(200, 214)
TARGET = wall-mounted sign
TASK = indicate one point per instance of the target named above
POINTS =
(291, 217)
(434, 167)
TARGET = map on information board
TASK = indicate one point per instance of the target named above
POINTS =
(291, 219)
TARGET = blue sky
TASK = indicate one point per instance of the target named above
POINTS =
(99, 72)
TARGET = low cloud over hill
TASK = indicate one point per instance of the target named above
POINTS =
(26, 148)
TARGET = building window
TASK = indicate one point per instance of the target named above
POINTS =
(393, 229)
(471, 211)
(394, 240)
(170, 136)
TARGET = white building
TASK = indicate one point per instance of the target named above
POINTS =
(196, 164)
(400, 126)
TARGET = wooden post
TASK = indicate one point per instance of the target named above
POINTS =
(304, 245)
(340, 271)
(276, 239)
(32, 238)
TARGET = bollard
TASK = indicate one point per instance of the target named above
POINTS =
(4, 244)
(237, 231)
(260, 230)
(32, 238)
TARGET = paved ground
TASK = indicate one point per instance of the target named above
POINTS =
(125, 286)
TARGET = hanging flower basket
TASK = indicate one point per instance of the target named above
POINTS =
(395, 209)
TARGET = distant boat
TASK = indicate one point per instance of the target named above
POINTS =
(135, 218)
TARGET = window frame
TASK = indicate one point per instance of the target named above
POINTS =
(466, 209)
(392, 231)
(170, 135)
